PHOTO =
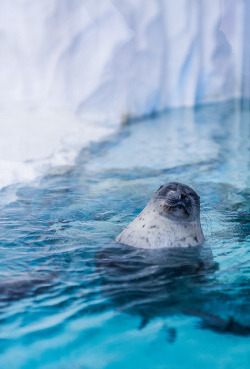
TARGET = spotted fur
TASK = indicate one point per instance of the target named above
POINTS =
(170, 219)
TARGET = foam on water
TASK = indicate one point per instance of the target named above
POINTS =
(71, 297)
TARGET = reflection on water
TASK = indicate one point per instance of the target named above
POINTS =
(153, 283)
(71, 297)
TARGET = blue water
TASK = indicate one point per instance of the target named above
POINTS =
(70, 297)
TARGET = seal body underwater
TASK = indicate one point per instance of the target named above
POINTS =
(170, 219)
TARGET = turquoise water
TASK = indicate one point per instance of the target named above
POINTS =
(70, 297)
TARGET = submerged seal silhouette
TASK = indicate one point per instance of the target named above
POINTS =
(170, 219)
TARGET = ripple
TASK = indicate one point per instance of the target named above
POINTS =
(67, 290)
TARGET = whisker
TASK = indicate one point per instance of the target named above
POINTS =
(207, 220)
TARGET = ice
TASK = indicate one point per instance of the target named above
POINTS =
(32, 142)
(98, 63)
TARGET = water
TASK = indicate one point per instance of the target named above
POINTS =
(71, 298)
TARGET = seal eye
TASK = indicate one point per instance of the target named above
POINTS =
(183, 197)
(194, 195)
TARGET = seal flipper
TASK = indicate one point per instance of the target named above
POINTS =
(225, 326)
(23, 286)
(144, 322)
(170, 334)
(220, 325)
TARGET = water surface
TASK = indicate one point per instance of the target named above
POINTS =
(72, 298)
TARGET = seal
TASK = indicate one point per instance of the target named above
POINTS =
(170, 219)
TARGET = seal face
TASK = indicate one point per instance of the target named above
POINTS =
(170, 219)
(180, 202)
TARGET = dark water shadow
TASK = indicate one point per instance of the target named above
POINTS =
(165, 282)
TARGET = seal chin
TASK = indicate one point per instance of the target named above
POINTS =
(179, 211)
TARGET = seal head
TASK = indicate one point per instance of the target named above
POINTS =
(170, 219)
(179, 202)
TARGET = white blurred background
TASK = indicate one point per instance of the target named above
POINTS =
(72, 70)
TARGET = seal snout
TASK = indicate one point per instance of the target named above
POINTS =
(177, 198)
(179, 202)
